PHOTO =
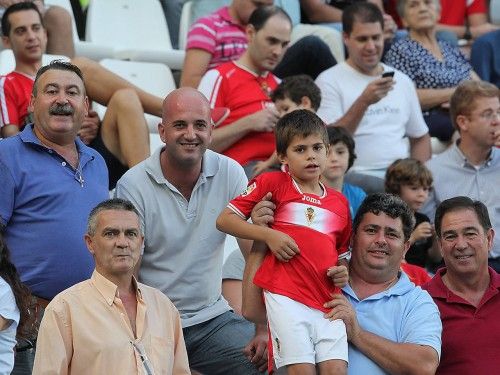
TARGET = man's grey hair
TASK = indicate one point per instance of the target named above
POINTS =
(109, 204)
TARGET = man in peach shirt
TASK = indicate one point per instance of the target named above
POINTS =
(111, 323)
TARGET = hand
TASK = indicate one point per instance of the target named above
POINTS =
(263, 212)
(90, 127)
(264, 120)
(377, 89)
(281, 245)
(421, 232)
(342, 309)
(485, 28)
(256, 349)
(339, 275)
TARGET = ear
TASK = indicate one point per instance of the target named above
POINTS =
(161, 131)
(406, 247)
(283, 159)
(345, 36)
(6, 42)
(250, 31)
(31, 104)
(87, 105)
(462, 122)
(89, 243)
(305, 102)
(490, 235)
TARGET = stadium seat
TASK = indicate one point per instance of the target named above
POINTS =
(136, 30)
(82, 48)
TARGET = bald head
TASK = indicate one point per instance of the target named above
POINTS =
(180, 99)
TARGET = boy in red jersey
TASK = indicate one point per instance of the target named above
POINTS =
(310, 233)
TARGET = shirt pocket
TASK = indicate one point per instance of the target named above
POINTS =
(162, 355)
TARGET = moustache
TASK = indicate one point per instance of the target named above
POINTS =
(61, 109)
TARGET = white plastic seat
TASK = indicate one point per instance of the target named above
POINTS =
(154, 78)
(185, 23)
(8, 63)
(135, 30)
(83, 48)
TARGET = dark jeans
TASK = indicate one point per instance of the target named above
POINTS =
(308, 55)
(216, 346)
(23, 364)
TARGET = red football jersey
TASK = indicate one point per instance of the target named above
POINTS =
(321, 227)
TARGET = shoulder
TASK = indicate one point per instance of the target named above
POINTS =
(332, 72)
(226, 165)
(153, 295)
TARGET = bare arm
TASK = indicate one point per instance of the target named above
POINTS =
(253, 307)
(225, 136)
(317, 11)
(395, 358)
(478, 25)
(420, 148)
(195, 66)
(9, 130)
(430, 98)
(374, 92)
(4, 323)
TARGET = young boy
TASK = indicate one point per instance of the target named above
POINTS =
(411, 181)
(294, 92)
(310, 232)
(341, 156)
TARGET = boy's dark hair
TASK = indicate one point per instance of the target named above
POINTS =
(296, 87)
(363, 12)
(26, 5)
(57, 65)
(261, 15)
(301, 122)
(389, 204)
(462, 203)
(407, 172)
(337, 134)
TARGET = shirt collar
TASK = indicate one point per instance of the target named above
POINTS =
(402, 286)
(224, 14)
(462, 159)
(209, 166)
(27, 135)
(109, 290)
(437, 288)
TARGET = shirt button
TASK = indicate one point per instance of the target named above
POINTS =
(110, 301)
(50, 151)
(63, 163)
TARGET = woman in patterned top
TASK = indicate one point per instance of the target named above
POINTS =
(435, 66)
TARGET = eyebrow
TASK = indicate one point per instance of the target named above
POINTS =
(56, 85)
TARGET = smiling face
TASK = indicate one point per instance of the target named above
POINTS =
(464, 243)
(305, 158)
(116, 243)
(379, 245)
(186, 127)
(27, 37)
(59, 107)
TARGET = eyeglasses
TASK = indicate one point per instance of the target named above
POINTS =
(488, 115)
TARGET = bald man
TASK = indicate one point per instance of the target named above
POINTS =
(179, 192)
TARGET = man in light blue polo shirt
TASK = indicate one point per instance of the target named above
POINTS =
(49, 182)
(392, 325)
(179, 192)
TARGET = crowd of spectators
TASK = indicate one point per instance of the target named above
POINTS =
(415, 71)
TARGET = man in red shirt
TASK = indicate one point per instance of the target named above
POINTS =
(466, 291)
(244, 87)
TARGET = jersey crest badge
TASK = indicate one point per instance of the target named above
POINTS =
(310, 214)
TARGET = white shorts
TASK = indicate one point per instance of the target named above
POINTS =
(300, 334)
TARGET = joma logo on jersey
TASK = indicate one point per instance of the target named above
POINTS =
(310, 199)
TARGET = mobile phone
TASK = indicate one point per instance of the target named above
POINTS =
(387, 74)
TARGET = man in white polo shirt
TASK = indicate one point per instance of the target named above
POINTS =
(179, 192)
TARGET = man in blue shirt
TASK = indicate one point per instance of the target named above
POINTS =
(49, 183)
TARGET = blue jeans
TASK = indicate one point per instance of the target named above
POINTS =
(23, 364)
(216, 346)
